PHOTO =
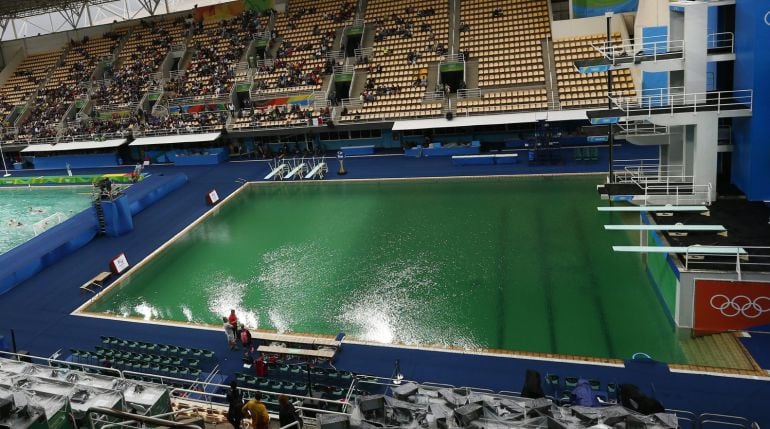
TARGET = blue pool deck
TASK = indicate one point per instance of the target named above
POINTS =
(39, 310)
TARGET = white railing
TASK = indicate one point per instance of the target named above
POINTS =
(642, 128)
(335, 55)
(469, 93)
(177, 74)
(179, 47)
(677, 193)
(177, 131)
(95, 136)
(655, 49)
(344, 68)
(453, 58)
(740, 257)
(199, 99)
(364, 52)
(434, 96)
(47, 223)
(722, 41)
(664, 100)
(352, 103)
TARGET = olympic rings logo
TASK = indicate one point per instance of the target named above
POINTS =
(740, 305)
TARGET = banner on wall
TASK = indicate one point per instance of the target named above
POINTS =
(218, 12)
(722, 305)
(259, 5)
(587, 8)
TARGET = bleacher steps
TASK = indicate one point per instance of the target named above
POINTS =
(338, 36)
(272, 48)
(368, 39)
(472, 72)
(432, 76)
(549, 68)
(454, 27)
(359, 82)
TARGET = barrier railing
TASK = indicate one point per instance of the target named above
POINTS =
(642, 128)
(649, 48)
(739, 257)
(199, 99)
(722, 41)
(177, 131)
(664, 99)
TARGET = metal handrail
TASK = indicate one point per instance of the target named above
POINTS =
(647, 48)
(199, 99)
(177, 131)
(721, 40)
(741, 256)
(662, 99)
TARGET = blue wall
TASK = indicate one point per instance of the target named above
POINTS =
(751, 154)
(59, 162)
(653, 81)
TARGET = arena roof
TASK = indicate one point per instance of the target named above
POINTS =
(27, 8)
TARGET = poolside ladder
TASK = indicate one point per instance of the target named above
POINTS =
(100, 215)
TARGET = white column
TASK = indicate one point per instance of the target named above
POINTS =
(695, 47)
(704, 151)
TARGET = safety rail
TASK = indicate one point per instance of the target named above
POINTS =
(271, 93)
(95, 137)
(642, 128)
(676, 193)
(254, 125)
(663, 102)
(157, 132)
(177, 74)
(724, 40)
(335, 55)
(648, 49)
(178, 47)
(740, 257)
(469, 93)
(116, 107)
(344, 68)
(361, 53)
(433, 96)
(453, 58)
(199, 99)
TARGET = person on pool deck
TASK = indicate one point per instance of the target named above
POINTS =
(235, 403)
(229, 332)
(245, 336)
(260, 419)
(233, 319)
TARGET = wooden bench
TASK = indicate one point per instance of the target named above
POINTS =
(95, 283)
(322, 354)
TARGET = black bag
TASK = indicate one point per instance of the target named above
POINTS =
(532, 388)
(633, 398)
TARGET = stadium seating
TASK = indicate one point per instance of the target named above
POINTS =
(508, 46)
(399, 70)
(577, 90)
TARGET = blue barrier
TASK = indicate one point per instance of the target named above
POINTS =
(117, 216)
(208, 157)
(419, 151)
(28, 259)
(60, 162)
(357, 150)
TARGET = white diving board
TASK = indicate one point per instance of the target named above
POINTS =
(654, 209)
(696, 250)
(298, 169)
(277, 172)
(317, 171)
(664, 227)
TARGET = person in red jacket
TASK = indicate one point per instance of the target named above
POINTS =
(233, 321)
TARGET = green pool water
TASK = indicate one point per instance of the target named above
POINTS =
(21, 208)
(518, 264)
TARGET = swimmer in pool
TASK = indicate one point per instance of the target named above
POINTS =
(33, 210)
(13, 223)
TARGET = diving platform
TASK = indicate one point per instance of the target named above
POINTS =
(727, 104)
(695, 250)
(676, 228)
(297, 171)
(654, 209)
(278, 172)
(318, 171)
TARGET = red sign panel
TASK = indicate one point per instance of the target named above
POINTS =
(722, 305)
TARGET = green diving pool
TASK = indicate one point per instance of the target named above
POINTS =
(25, 212)
(519, 264)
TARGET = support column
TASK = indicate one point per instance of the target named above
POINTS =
(696, 47)
(704, 151)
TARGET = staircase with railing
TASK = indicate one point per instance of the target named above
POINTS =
(551, 82)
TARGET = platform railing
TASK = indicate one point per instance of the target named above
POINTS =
(724, 40)
(654, 48)
(678, 194)
(177, 131)
(664, 101)
(739, 257)
(642, 128)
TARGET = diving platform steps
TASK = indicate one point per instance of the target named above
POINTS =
(314, 168)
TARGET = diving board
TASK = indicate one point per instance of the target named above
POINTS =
(677, 227)
(297, 171)
(697, 250)
(317, 171)
(654, 209)
(277, 172)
